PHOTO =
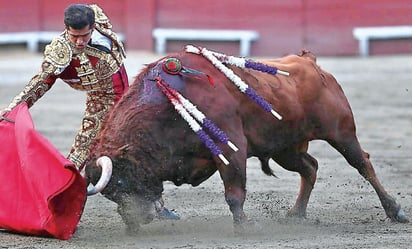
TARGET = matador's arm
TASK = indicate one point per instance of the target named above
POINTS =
(57, 57)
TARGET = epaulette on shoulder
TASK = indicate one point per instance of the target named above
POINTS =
(100, 17)
(58, 52)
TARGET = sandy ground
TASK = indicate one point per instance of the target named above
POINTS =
(344, 211)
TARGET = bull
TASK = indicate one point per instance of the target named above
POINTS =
(149, 137)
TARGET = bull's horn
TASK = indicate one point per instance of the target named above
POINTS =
(106, 164)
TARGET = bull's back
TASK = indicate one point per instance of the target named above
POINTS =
(308, 83)
(310, 100)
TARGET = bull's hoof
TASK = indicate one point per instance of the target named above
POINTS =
(239, 224)
(239, 229)
(296, 213)
(400, 217)
(132, 230)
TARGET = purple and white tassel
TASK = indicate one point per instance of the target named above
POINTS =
(240, 62)
(243, 87)
(216, 150)
(194, 125)
(199, 116)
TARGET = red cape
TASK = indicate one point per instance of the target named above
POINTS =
(41, 192)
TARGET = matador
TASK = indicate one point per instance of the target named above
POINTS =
(95, 67)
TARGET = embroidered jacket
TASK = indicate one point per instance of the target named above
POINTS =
(98, 69)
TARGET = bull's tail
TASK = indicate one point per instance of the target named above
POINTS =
(264, 163)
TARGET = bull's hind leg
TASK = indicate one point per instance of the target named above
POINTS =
(350, 148)
(298, 160)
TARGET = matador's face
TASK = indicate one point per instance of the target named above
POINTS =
(80, 37)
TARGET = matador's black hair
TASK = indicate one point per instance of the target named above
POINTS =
(78, 16)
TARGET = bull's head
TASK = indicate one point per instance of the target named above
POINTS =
(123, 183)
(130, 153)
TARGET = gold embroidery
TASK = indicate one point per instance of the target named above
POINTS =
(104, 69)
(98, 77)
(31, 92)
(98, 104)
(58, 53)
(86, 71)
(100, 17)
(104, 84)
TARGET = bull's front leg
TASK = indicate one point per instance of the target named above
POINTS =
(234, 180)
(235, 198)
